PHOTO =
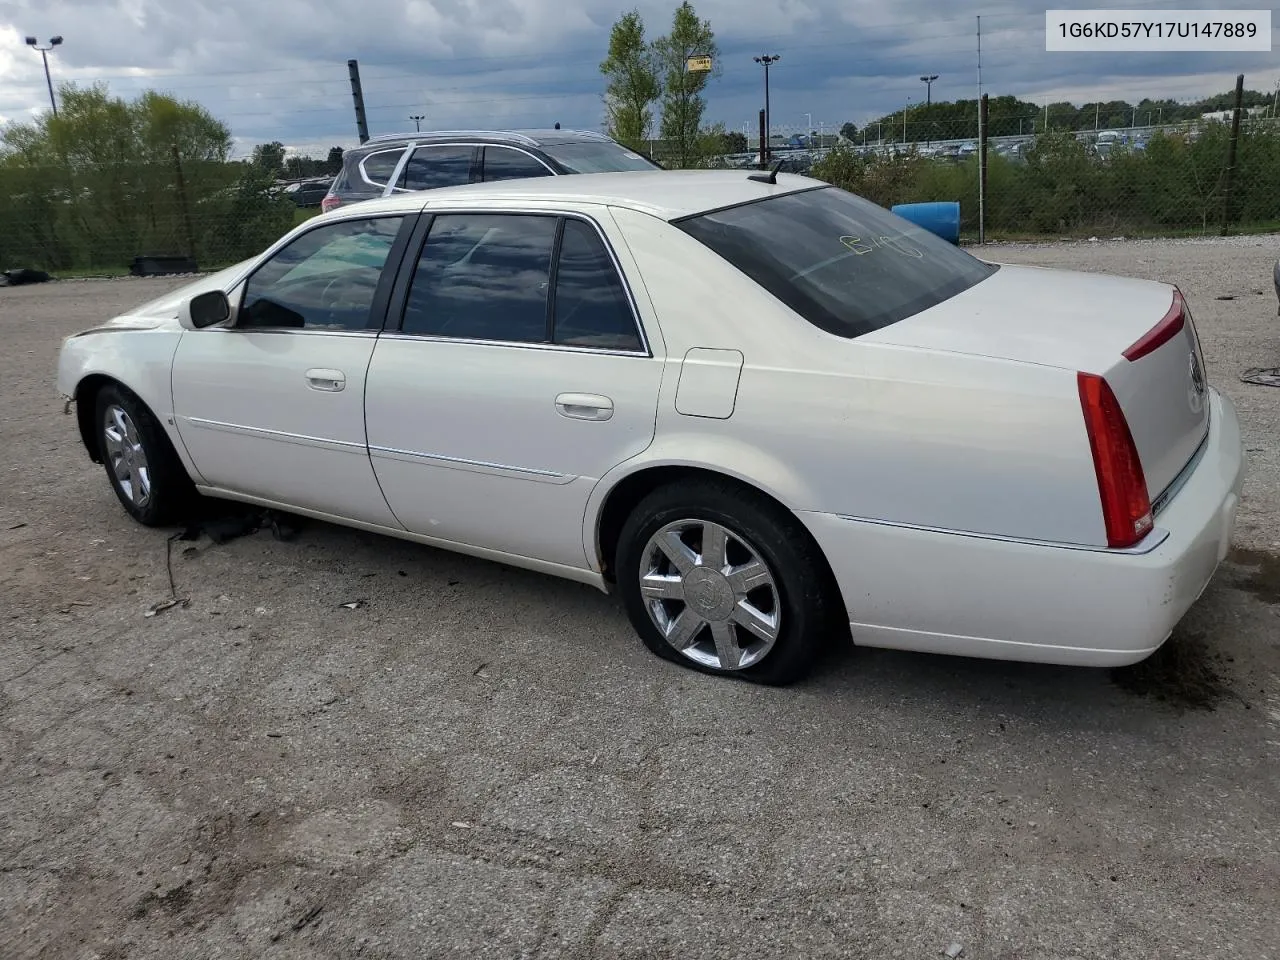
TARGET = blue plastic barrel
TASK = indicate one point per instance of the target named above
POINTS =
(940, 217)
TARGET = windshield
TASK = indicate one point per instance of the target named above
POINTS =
(597, 156)
(841, 262)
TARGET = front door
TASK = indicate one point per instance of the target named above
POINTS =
(519, 376)
(273, 406)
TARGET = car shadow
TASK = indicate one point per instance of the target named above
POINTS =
(1194, 670)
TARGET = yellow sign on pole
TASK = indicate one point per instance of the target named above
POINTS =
(698, 64)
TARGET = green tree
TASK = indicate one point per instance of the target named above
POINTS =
(333, 165)
(735, 141)
(269, 156)
(631, 72)
(682, 102)
(849, 131)
(108, 179)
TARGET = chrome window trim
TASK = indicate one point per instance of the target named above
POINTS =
(390, 189)
(364, 174)
(646, 349)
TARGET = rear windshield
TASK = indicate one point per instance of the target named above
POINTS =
(597, 157)
(841, 262)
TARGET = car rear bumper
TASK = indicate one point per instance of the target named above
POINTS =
(943, 592)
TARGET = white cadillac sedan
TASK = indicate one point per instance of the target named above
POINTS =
(766, 412)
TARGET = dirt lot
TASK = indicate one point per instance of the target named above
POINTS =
(482, 762)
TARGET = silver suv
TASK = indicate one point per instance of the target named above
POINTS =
(405, 162)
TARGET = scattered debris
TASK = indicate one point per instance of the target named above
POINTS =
(17, 526)
(1262, 376)
(354, 604)
(479, 671)
(75, 603)
(16, 278)
(163, 605)
(461, 825)
(954, 950)
(1226, 296)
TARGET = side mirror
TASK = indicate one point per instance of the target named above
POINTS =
(209, 308)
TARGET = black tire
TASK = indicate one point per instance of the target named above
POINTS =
(806, 596)
(171, 495)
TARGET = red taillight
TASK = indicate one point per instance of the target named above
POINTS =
(1126, 505)
(330, 202)
(1162, 332)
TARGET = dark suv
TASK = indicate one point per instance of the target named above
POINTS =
(401, 163)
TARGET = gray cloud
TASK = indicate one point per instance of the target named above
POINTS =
(277, 70)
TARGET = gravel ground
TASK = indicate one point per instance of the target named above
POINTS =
(482, 762)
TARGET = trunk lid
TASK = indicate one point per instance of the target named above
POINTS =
(1086, 322)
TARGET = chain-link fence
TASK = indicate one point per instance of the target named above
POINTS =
(1137, 181)
(77, 217)
(1153, 180)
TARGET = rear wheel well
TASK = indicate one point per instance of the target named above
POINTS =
(86, 391)
(626, 496)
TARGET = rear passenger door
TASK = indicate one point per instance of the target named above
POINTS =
(517, 375)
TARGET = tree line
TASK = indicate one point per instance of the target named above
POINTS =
(1010, 116)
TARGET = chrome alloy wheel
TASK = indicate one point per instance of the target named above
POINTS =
(710, 594)
(127, 457)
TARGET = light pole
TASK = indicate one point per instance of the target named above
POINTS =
(417, 121)
(44, 55)
(928, 93)
(767, 60)
(928, 101)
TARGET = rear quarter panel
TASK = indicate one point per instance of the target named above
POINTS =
(875, 431)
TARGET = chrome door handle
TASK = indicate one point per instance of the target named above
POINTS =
(584, 406)
(330, 381)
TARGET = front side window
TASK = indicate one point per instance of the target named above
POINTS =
(483, 277)
(597, 156)
(490, 277)
(844, 264)
(443, 165)
(324, 280)
(503, 163)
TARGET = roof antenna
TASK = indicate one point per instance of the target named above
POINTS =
(770, 177)
(557, 124)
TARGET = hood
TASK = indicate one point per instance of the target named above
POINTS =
(163, 310)
(166, 306)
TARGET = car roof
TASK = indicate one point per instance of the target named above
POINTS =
(666, 194)
(528, 138)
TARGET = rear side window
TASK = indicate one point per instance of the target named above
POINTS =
(378, 167)
(843, 263)
(503, 163)
(445, 165)
(592, 309)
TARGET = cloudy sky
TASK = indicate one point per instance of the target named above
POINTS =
(276, 69)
